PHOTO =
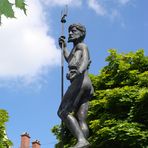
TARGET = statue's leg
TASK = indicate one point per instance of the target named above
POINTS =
(65, 113)
(72, 123)
(80, 123)
(74, 127)
(81, 116)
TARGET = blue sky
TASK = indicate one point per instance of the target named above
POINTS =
(30, 56)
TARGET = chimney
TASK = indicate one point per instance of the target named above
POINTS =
(36, 144)
(25, 140)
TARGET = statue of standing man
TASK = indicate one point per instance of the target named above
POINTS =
(74, 106)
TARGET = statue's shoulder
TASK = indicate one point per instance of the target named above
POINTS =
(81, 46)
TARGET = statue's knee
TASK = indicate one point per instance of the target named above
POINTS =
(61, 114)
(80, 116)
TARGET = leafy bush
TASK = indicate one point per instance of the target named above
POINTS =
(118, 114)
(4, 141)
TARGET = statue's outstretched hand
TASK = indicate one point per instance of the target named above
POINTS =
(62, 42)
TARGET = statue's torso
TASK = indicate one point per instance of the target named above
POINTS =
(74, 63)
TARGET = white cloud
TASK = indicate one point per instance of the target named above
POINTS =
(62, 2)
(115, 14)
(109, 9)
(97, 7)
(26, 49)
(123, 2)
(25, 46)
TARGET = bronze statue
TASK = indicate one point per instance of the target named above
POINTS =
(74, 106)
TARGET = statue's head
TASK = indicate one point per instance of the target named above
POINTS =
(77, 32)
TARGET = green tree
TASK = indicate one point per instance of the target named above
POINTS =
(6, 8)
(118, 114)
(4, 141)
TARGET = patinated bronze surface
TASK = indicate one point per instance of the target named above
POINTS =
(74, 106)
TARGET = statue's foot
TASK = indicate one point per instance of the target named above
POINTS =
(82, 144)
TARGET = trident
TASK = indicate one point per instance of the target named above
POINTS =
(63, 21)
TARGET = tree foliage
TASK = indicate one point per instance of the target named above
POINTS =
(4, 141)
(118, 114)
(6, 8)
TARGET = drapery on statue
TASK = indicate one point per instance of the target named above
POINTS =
(74, 106)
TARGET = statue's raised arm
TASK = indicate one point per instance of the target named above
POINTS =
(62, 44)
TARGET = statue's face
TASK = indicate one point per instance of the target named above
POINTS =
(74, 34)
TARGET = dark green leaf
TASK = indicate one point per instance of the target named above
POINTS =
(6, 8)
(20, 4)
